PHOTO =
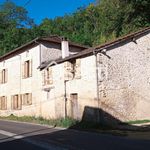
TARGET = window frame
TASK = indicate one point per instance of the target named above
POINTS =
(26, 99)
(27, 69)
(4, 76)
(3, 99)
(17, 102)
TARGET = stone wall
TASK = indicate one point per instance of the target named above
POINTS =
(124, 83)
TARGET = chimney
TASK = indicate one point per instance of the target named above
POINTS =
(65, 47)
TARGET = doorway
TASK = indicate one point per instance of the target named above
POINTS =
(74, 105)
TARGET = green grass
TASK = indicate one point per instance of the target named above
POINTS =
(138, 121)
(61, 122)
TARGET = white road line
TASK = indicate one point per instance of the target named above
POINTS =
(10, 134)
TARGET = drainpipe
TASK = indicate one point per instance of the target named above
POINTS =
(97, 87)
(20, 87)
(40, 108)
(65, 98)
(65, 53)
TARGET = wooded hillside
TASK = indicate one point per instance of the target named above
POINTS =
(98, 23)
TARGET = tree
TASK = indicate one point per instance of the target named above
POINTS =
(14, 24)
(92, 25)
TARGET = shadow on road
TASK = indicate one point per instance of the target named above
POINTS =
(95, 120)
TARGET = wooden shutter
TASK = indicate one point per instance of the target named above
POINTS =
(12, 103)
(6, 75)
(0, 103)
(30, 99)
(5, 103)
(15, 102)
(19, 102)
(22, 98)
(1, 80)
(30, 68)
(78, 69)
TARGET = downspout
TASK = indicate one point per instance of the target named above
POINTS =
(65, 97)
(97, 87)
(40, 107)
(20, 87)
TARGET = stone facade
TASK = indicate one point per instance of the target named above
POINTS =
(124, 83)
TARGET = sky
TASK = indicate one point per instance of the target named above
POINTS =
(40, 9)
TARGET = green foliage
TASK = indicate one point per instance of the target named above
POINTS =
(97, 23)
(61, 122)
(138, 121)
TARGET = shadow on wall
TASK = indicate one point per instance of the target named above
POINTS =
(95, 118)
(97, 115)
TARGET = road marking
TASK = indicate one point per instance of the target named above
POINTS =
(10, 134)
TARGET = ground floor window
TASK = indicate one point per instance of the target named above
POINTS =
(27, 99)
(3, 103)
(16, 102)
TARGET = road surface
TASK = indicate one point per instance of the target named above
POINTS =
(24, 136)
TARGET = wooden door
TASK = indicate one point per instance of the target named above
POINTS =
(74, 106)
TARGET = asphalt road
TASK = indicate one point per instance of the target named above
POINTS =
(24, 136)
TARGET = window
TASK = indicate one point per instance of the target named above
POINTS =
(78, 69)
(3, 103)
(3, 76)
(16, 102)
(27, 69)
(72, 69)
(47, 76)
(27, 99)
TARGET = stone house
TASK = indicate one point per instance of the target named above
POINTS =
(104, 83)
